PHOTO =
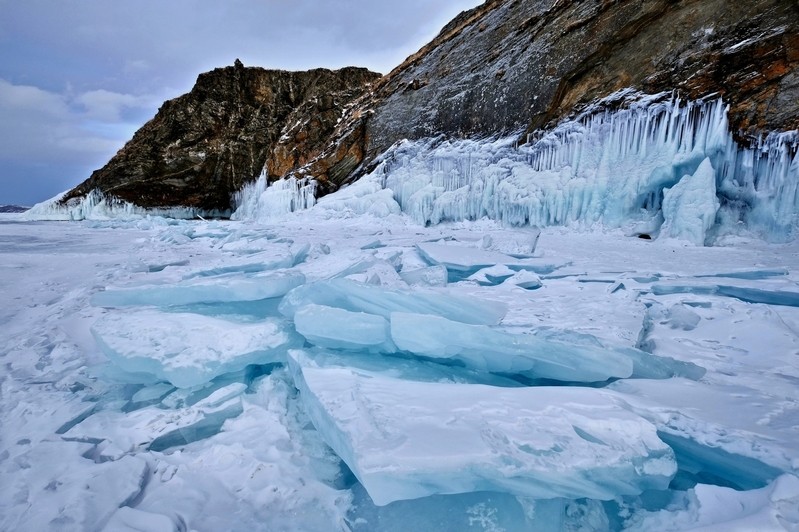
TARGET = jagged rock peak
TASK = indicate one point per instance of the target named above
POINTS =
(203, 146)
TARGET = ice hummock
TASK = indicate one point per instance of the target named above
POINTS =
(188, 349)
(405, 440)
(633, 167)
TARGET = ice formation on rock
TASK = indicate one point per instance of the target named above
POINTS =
(98, 206)
(204, 290)
(340, 329)
(262, 200)
(189, 349)
(611, 166)
(485, 349)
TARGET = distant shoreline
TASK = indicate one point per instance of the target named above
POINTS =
(12, 209)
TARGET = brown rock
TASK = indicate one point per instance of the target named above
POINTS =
(203, 146)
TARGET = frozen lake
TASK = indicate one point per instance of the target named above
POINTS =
(360, 373)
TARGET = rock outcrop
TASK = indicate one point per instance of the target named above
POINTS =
(203, 146)
(504, 67)
(514, 65)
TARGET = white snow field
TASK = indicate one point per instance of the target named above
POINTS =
(472, 337)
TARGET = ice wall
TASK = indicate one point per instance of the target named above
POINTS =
(613, 166)
(260, 200)
(98, 206)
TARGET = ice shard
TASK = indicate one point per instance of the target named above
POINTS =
(358, 297)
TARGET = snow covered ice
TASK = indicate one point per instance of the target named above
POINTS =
(412, 352)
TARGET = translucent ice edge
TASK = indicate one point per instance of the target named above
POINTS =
(657, 167)
(98, 206)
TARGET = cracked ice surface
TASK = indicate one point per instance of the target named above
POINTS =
(706, 337)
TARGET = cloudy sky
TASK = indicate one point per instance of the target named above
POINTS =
(79, 77)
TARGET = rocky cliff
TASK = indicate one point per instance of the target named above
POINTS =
(204, 145)
(523, 65)
(506, 66)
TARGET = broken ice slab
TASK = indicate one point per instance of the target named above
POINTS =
(491, 276)
(159, 429)
(432, 276)
(461, 258)
(358, 297)
(395, 366)
(462, 261)
(486, 349)
(340, 329)
(645, 365)
(189, 349)
(202, 290)
(748, 294)
(502, 275)
(708, 464)
(374, 244)
(525, 279)
(714, 508)
(406, 440)
(752, 275)
(154, 392)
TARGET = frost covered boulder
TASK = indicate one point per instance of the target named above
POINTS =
(405, 440)
(189, 349)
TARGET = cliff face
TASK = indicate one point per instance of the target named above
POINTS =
(506, 66)
(206, 144)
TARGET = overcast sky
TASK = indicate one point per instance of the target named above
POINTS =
(79, 77)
